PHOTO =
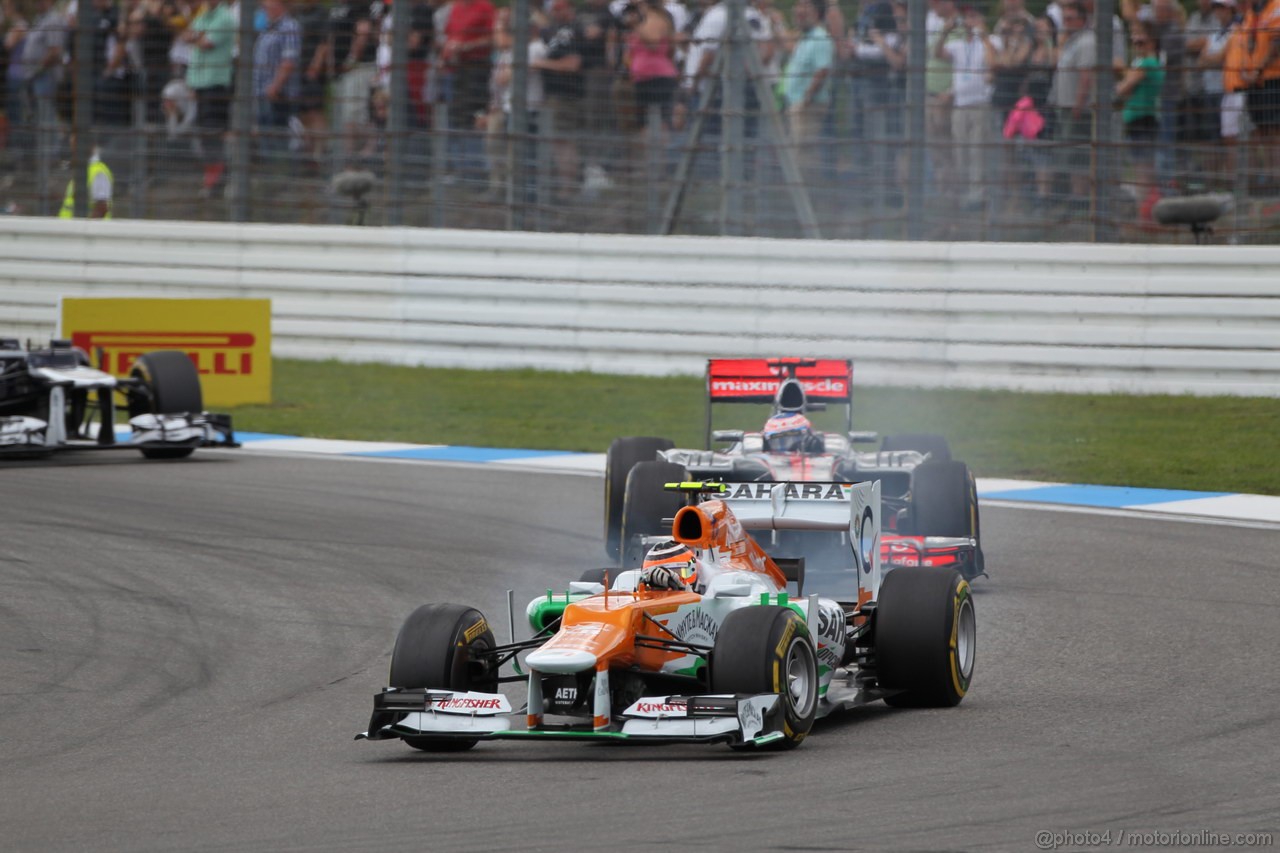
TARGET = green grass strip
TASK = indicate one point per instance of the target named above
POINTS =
(1227, 444)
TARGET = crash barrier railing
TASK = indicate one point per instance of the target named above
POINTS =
(1172, 319)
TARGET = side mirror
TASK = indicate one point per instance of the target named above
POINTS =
(726, 435)
(864, 437)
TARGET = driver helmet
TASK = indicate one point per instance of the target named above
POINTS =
(787, 432)
(675, 556)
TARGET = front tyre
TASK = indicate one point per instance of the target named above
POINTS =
(170, 386)
(767, 649)
(441, 647)
(925, 637)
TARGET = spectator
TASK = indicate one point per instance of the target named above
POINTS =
(276, 54)
(1202, 107)
(1044, 59)
(500, 132)
(212, 35)
(938, 95)
(313, 20)
(807, 86)
(468, 53)
(700, 62)
(15, 39)
(154, 39)
(1165, 25)
(1014, 41)
(650, 47)
(1071, 97)
(421, 49)
(1260, 78)
(601, 52)
(565, 88)
(353, 50)
(42, 56)
(100, 183)
(971, 59)
(1212, 84)
(872, 77)
(1140, 91)
(110, 100)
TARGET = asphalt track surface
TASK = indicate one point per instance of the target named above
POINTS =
(188, 649)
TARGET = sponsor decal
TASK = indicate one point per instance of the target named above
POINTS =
(750, 718)
(228, 340)
(661, 708)
(467, 703)
(566, 695)
(792, 491)
(697, 626)
(831, 626)
(475, 630)
(213, 353)
(754, 387)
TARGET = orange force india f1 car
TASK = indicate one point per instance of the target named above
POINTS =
(726, 654)
(930, 499)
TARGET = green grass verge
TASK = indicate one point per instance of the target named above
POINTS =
(1212, 444)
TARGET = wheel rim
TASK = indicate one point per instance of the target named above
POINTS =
(801, 670)
(966, 638)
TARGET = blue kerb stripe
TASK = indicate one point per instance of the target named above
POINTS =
(259, 436)
(1108, 496)
(462, 454)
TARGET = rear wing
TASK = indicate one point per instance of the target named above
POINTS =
(756, 380)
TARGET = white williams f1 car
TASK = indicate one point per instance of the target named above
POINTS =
(52, 399)
(703, 644)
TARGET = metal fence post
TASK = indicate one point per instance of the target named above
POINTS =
(242, 115)
(82, 118)
(731, 124)
(439, 160)
(397, 113)
(917, 44)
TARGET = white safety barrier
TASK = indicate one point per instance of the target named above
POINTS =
(1144, 319)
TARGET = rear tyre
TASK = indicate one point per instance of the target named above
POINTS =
(944, 500)
(921, 442)
(767, 649)
(645, 505)
(622, 456)
(925, 637)
(171, 387)
(440, 647)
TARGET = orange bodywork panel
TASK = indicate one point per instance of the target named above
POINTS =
(606, 626)
(713, 525)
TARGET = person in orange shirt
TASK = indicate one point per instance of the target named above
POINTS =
(1252, 65)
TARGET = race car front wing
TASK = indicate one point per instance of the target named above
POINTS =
(739, 720)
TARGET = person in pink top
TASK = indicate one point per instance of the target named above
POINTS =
(650, 46)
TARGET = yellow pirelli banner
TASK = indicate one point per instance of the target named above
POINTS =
(228, 339)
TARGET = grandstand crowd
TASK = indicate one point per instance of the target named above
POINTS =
(1010, 91)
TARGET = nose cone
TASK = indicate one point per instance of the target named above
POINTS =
(561, 661)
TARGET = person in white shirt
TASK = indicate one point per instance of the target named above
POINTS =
(971, 59)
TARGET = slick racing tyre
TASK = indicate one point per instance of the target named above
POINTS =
(922, 442)
(767, 649)
(925, 637)
(441, 646)
(172, 387)
(623, 455)
(942, 500)
(645, 505)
